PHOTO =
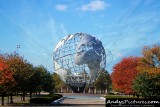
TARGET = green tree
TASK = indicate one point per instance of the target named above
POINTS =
(58, 82)
(147, 84)
(104, 81)
(48, 83)
(44, 78)
(33, 82)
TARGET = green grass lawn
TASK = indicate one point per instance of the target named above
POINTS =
(26, 102)
(119, 96)
(6, 97)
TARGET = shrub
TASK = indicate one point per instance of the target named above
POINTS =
(41, 100)
(58, 95)
(47, 99)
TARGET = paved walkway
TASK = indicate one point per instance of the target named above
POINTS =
(79, 99)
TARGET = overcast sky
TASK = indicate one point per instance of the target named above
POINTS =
(123, 26)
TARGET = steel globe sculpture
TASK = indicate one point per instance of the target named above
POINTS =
(78, 59)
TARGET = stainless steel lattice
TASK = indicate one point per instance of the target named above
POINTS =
(79, 58)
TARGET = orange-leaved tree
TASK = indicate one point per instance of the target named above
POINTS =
(148, 81)
(150, 62)
(23, 71)
(6, 77)
(124, 73)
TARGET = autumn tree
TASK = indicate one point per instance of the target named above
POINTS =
(148, 81)
(6, 77)
(22, 70)
(124, 73)
(18, 75)
(150, 62)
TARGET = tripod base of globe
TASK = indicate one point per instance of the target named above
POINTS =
(77, 87)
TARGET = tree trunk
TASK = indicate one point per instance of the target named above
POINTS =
(95, 91)
(67, 89)
(23, 96)
(39, 93)
(8, 99)
(30, 94)
(61, 90)
(11, 98)
(106, 91)
(2, 99)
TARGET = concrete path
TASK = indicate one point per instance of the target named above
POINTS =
(85, 100)
(78, 100)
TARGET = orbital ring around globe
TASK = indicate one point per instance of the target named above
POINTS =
(79, 58)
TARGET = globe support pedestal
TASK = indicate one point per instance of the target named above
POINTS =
(78, 89)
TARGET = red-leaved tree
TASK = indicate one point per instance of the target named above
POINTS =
(124, 73)
(6, 78)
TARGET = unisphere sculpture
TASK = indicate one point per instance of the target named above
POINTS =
(79, 58)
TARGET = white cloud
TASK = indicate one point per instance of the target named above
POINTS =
(120, 55)
(61, 7)
(94, 6)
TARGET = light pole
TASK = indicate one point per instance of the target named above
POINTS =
(18, 46)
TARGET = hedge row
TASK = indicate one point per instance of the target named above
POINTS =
(45, 99)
